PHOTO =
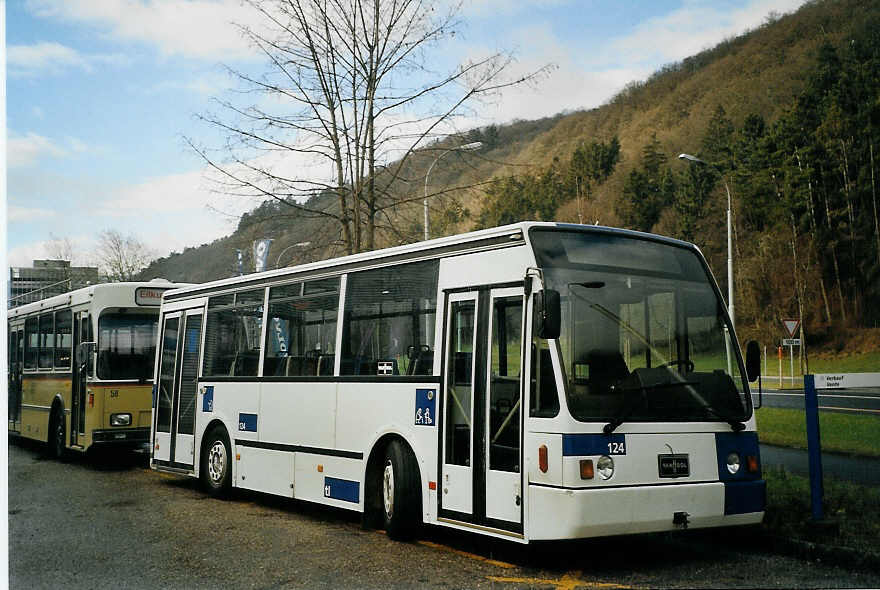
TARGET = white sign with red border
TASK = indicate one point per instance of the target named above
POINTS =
(791, 326)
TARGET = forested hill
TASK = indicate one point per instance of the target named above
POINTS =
(789, 116)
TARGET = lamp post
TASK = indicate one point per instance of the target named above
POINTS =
(696, 160)
(468, 147)
(297, 245)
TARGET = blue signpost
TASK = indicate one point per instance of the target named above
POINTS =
(814, 447)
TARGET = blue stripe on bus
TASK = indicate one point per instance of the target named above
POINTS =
(575, 445)
(743, 497)
(342, 489)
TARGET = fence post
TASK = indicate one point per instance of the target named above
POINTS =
(814, 449)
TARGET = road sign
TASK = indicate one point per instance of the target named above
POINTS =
(791, 326)
(791, 342)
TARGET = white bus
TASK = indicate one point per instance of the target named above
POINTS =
(81, 366)
(533, 381)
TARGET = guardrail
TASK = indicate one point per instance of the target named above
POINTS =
(812, 383)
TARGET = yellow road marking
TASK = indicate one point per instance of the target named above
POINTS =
(569, 581)
(494, 562)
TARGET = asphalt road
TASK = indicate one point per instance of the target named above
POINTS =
(852, 401)
(113, 523)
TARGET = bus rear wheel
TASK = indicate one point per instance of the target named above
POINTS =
(401, 498)
(216, 468)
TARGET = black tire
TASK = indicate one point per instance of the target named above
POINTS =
(57, 432)
(400, 492)
(216, 468)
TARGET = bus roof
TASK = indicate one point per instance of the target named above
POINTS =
(515, 234)
(85, 294)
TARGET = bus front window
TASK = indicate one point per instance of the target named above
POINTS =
(644, 336)
(126, 345)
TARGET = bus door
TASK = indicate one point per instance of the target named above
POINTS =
(15, 355)
(78, 382)
(481, 475)
(177, 388)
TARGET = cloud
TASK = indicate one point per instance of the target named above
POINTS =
(26, 150)
(54, 58)
(15, 214)
(200, 29)
(690, 29)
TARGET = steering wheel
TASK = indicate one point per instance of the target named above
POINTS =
(687, 364)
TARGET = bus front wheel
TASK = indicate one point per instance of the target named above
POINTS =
(216, 469)
(401, 499)
(56, 434)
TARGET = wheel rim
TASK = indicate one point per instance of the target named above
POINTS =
(217, 462)
(388, 489)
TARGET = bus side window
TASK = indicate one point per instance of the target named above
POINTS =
(31, 342)
(390, 314)
(63, 338)
(544, 396)
(47, 341)
(232, 334)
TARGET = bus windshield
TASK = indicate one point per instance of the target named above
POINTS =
(644, 336)
(126, 345)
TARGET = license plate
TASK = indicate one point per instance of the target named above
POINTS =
(673, 465)
(120, 435)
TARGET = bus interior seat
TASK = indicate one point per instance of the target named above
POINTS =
(606, 369)
(422, 364)
(325, 364)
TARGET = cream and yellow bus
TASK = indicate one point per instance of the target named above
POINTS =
(80, 366)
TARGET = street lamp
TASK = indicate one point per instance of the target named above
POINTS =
(468, 147)
(696, 160)
(297, 245)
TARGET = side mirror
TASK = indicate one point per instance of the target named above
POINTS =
(548, 313)
(84, 356)
(753, 360)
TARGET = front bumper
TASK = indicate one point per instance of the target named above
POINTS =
(121, 437)
(560, 513)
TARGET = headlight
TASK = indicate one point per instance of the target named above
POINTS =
(605, 467)
(733, 463)
(120, 419)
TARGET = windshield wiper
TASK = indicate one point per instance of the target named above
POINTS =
(735, 424)
(626, 409)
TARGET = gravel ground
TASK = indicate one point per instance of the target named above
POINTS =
(110, 522)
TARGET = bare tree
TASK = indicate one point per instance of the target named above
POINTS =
(121, 257)
(60, 248)
(351, 88)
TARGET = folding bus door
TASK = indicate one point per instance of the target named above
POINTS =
(457, 476)
(503, 446)
(176, 389)
(481, 469)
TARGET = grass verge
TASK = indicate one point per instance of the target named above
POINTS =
(854, 509)
(841, 433)
(860, 362)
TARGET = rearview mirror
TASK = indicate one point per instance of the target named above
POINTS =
(548, 313)
(84, 353)
(753, 360)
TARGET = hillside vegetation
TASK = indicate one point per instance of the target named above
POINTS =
(788, 115)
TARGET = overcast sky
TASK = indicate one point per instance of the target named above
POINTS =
(100, 94)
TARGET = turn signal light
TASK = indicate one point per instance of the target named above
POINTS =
(432, 485)
(542, 458)
(752, 463)
(586, 469)
(91, 399)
